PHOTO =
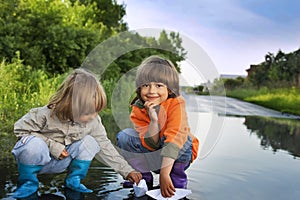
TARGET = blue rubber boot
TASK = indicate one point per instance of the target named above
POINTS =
(27, 181)
(77, 171)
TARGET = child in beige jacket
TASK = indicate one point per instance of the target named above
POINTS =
(66, 134)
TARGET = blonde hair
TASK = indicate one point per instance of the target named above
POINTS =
(158, 69)
(81, 93)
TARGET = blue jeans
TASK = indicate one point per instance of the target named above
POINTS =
(34, 151)
(143, 159)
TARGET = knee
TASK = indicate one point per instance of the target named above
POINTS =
(120, 137)
(90, 144)
(185, 154)
(84, 149)
(124, 136)
(32, 150)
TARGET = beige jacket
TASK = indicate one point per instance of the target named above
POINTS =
(57, 135)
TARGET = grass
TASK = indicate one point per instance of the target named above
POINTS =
(282, 99)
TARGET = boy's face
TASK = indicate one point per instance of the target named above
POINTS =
(154, 92)
(87, 117)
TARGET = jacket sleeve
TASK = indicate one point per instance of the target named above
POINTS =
(177, 129)
(139, 118)
(108, 153)
(31, 124)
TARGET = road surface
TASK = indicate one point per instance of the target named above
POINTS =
(230, 106)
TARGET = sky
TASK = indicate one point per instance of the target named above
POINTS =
(233, 33)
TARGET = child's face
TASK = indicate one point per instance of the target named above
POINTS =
(154, 92)
(87, 117)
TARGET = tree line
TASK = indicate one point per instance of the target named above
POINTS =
(56, 35)
(277, 70)
(42, 40)
(280, 70)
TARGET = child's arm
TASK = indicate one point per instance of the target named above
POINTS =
(134, 177)
(166, 186)
(153, 125)
(111, 157)
(63, 154)
(146, 123)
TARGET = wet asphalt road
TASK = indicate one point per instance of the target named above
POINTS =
(230, 106)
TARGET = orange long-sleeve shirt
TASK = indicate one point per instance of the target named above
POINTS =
(173, 123)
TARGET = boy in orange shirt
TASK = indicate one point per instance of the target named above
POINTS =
(161, 141)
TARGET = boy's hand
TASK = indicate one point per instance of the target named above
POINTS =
(167, 188)
(150, 107)
(134, 177)
(63, 154)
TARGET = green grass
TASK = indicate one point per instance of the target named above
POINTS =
(282, 99)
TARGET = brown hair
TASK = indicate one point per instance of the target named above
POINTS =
(158, 69)
(81, 93)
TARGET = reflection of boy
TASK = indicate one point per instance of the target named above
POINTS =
(160, 121)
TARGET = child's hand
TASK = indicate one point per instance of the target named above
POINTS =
(63, 154)
(134, 177)
(150, 107)
(166, 186)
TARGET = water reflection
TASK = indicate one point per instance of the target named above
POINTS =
(279, 134)
(237, 168)
(71, 194)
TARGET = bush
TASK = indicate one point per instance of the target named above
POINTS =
(22, 88)
(285, 100)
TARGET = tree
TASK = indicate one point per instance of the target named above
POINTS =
(259, 77)
(231, 84)
(269, 58)
(53, 35)
(281, 70)
(107, 12)
(127, 50)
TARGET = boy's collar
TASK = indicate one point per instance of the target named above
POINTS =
(139, 103)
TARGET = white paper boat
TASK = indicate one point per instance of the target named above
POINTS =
(180, 193)
(140, 189)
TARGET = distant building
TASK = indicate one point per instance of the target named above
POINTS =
(231, 76)
(251, 69)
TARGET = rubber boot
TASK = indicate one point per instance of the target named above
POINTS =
(178, 175)
(149, 179)
(28, 182)
(140, 165)
(77, 171)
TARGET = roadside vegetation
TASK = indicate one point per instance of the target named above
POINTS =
(285, 100)
(22, 88)
(274, 83)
